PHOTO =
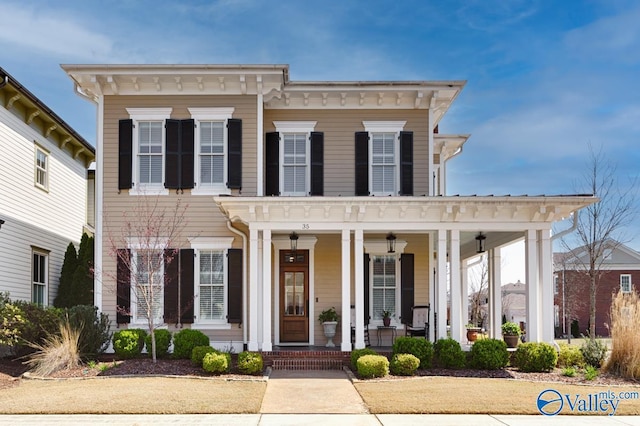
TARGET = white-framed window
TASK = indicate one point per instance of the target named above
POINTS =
(556, 315)
(41, 168)
(555, 284)
(625, 283)
(211, 282)
(40, 283)
(211, 147)
(295, 156)
(384, 279)
(384, 156)
(149, 149)
(147, 287)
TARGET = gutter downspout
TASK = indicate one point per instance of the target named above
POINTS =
(443, 175)
(4, 82)
(244, 281)
(561, 234)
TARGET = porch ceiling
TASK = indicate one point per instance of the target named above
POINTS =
(407, 214)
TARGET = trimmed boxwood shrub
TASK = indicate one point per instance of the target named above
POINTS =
(420, 348)
(198, 353)
(185, 340)
(163, 341)
(449, 353)
(126, 343)
(370, 366)
(535, 357)
(593, 352)
(216, 362)
(404, 364)
(489, 354)
(357, 353)
(570, 356)
(250, 363)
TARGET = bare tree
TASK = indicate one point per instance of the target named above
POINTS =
(601, 224)
(151, 231)
(572, 291)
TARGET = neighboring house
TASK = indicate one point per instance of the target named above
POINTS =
(619, 271)
(341, 168)
(43, 193)
(514, 302)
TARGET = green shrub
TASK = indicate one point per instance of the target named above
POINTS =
(449, 353)
(489, 354)
(420, 348)
(198, 353)
(535, 357)
(126, 343)
(12, 320)
(94, 329)
(370, 366)
(570, 356)
(404, 364)
(163, 341)
(357, 353)
(216, 363)
(590, 372)
(569, 371)
(40, 322)
(250, 363)
(593, 352)
(185, 340)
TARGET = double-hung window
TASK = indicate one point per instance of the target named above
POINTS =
(295, 156)
(40, 282)
(149, 149)
(147, 288)
(384, 152)
(625, 283)
(383, 285)
(211, 168)
(41, 168)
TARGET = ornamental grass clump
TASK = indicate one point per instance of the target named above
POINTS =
(370, 366)
(57, 352)
(624, 359)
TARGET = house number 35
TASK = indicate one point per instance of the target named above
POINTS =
(305, 226)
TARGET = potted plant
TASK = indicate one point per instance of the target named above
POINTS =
(511, 334)
(329, 319)
(472, 332)
(386, 318)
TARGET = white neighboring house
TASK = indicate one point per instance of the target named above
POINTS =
(43, 193)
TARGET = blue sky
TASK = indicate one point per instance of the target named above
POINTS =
(545, 78)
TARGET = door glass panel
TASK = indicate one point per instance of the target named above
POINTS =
(294, 303)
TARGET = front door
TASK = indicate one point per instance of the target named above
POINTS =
(294, 296)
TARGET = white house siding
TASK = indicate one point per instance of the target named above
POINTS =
(33, 217)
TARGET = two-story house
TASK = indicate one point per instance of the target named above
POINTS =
(302, 196)
(43, 193)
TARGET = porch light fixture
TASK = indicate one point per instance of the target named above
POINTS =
(480, 242)
(293, 238)
(391, 243)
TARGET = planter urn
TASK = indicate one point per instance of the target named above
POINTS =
(330, 332)
(511, 340)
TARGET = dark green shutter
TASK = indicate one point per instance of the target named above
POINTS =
(187, 284)
(362, 163)
(234, 281)
(125, 153)
(187, 156)
(172, 155)
(123, 286)
(170, 286)
(317, 163)
(406, 287)
(272, 166)
(234, 152)
(406, 163)
(366, 288)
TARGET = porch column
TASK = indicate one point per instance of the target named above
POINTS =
(531, 267)
(253, 290)
(259, 144)
(267, 310)
(464, 282)
(358, 254)
(546, 282)
(432, 286)
(346, 290)
(441, 287)
(496, 300)
(456, 286)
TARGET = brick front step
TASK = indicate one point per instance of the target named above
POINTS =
(307, 364)
(306, 359)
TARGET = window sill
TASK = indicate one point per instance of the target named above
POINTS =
(211, 191)
(204, 326)
(145, 326)
(148, 191)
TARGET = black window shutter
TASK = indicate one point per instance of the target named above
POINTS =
(170, 286)
(234, 280)
(187, 131)
(234, 152)
(366, 288)
(272, 168)
(317, 163)
(406, 287)
(406, 163)
(186, 286)
(172, 155)
(123, 286)
(362, 163)
(125, 153)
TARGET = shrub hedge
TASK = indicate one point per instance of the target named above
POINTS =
(420, 348)
(449, 354)
(489, 354)
(535, 357)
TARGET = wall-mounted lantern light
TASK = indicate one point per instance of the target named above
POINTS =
(391, 243)
(480, 242)
(293, 238)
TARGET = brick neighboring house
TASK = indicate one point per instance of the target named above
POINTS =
(620, 269)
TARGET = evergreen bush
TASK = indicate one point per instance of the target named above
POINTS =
(594, 351)
(163, 341)
(570, 356)
(185, 340)
(126, 343)
(370, 366)
(357, 353)
(216, 363)
(198, 353)
(69, 265)
(449, 353)
(250, 363)
(535, 357)
(420, 348)
(489, 354)
(404, 364)
(94, 329)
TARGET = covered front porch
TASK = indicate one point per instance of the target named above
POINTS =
(342, 260)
